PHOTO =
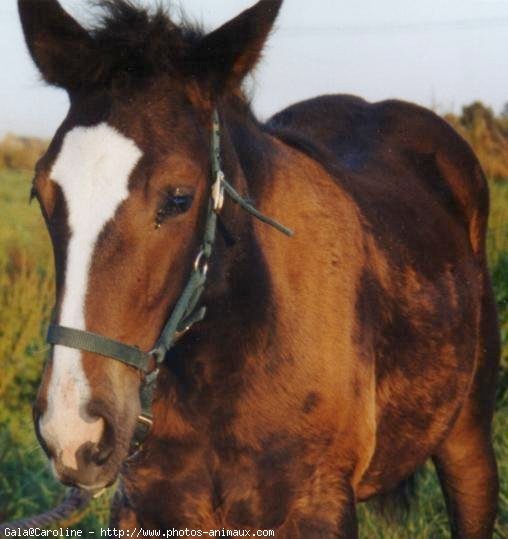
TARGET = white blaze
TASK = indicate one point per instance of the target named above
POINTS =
(93, 171)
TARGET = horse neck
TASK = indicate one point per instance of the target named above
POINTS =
(253, 311)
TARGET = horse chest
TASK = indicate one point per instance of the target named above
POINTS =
(184, 485)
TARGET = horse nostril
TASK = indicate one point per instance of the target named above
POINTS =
(101, 452)
(101, 455)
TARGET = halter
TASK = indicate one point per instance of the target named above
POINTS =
(187, 310)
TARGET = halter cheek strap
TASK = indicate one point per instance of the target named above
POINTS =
(187, 310)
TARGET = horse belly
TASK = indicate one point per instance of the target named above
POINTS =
(424, 336)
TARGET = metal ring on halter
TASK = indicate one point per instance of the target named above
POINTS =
(201, 263)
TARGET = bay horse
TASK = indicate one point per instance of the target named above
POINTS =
(329, 365)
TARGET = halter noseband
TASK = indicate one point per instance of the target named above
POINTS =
(187, 310)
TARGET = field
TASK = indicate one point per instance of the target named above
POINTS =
(26, 295)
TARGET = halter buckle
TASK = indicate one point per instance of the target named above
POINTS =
(143, 426)
(218, 192)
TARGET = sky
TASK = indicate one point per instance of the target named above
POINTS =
(438, 53)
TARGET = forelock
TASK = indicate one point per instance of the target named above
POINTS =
(135, 43)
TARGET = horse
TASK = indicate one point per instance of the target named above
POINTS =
(330, 365)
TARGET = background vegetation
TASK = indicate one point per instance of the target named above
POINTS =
(26, 296)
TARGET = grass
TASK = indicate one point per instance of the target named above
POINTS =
(498, 224)
(26, 296)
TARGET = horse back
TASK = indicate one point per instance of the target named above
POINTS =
(390, 149)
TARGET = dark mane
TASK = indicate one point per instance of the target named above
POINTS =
(133, 43)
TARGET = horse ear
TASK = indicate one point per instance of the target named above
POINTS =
(228, 54)
(59, 46)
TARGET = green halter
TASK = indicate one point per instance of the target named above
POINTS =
(187, 310)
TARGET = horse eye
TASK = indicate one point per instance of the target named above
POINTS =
(175, 203)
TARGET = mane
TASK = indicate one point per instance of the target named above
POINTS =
(133, 42)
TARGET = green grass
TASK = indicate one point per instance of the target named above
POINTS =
(498, 225)
(26, 296)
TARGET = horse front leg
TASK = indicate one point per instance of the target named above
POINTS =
(327, 511)
(345, 526)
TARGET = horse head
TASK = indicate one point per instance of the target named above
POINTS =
(124, 189)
